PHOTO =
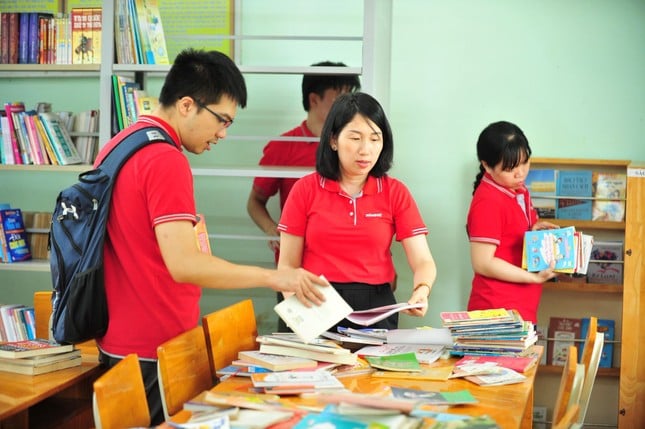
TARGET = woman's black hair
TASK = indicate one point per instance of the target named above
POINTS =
(342, 112)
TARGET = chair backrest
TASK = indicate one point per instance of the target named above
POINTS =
(42, 313)
(566, 384)
(183, 369)
(229, 331)
(591, 369)
(119, 398)
(590, 339)
(568, 420)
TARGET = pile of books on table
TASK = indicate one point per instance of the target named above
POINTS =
(489, 332)
(38, 356)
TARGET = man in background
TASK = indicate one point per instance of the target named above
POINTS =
(318, 94)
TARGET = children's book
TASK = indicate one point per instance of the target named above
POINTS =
(609, 196)
(516, 363)
(436, 371)
(201, 235)
(541, 183)
(14, 246)
(241, 370)
(28, 348)
(275, 362)
(40, 369)
(504, 376)
(373, 315)
(563, 332)
(395, 362)
(458, 397)
(542, 247)
(340, 358)
(304, 380)
(606, 264)
(574, 192)
(475, 317)
(309, 322)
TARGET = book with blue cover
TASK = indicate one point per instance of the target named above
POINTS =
(541, 247)
(541, 183)
(13, 237)
(578, 185)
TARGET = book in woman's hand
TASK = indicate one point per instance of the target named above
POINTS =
(373, 315)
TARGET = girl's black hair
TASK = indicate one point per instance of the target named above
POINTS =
(501, 142)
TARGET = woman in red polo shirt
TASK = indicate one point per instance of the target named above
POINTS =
(340, 221)
(500, 212)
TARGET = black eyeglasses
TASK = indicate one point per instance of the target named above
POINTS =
(226, 122)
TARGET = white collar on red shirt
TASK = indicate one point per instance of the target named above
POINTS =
(374, 185)
(158, 122)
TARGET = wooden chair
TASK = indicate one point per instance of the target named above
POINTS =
(183, 369)
(568, 420)
(570, 386)
(42, 314)
(590, 358)
(119, 398)
(229, 331)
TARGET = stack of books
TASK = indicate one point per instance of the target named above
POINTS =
(33, 357)
(489, 332)
(319, 349)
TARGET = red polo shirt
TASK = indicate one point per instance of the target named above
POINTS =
(286, 153)
(146, 306)
(348, 239)
(500, 216)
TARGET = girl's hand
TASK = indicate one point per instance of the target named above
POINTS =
(547, 274)
(544, 225)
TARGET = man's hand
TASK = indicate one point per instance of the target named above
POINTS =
(300, 282)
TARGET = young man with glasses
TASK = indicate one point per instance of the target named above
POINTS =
(153, 269)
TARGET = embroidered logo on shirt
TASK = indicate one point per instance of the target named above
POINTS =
(373, 214)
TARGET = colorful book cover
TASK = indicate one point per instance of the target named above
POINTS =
(397, 362)
(541, 184)
(609, 191)
(150, 19)
(606, 264)
(541, 247)
(576, 184)
(14, 236)
(608, 328)
(86, 35)
(563, 332)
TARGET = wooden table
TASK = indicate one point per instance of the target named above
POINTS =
(57, 399)
(511, 406)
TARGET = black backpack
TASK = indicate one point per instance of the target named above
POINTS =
(76, 241)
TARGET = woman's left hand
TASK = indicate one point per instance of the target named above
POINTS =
(419, 296)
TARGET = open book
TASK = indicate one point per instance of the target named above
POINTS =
(373, 315)
(309, 322)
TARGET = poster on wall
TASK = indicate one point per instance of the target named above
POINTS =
(198, 24)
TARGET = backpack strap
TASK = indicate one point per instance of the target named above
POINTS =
(123, 150)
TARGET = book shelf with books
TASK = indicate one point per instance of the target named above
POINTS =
(273, 83)
(595, 294)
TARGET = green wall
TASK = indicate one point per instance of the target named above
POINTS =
(571, 74)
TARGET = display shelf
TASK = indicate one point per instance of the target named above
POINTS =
(41, 265)
(76, 168)
(557, 370)
(583, 287)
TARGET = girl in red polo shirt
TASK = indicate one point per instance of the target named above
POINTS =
(500, 213)
(340, 220)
